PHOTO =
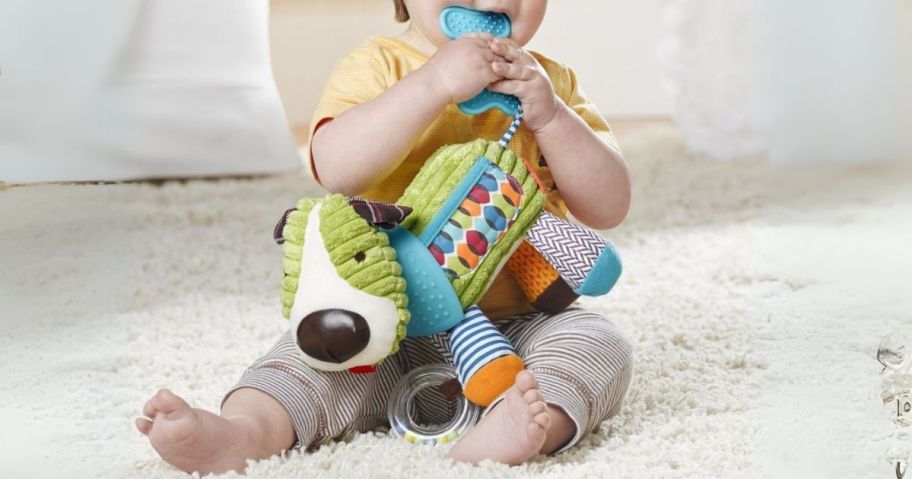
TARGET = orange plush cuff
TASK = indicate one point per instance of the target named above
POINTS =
(493, 379)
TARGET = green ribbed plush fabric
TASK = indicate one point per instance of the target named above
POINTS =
(437, 180)
(345, 233)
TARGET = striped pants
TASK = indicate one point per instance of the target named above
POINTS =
(581, 360)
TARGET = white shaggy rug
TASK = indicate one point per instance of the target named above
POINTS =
(755, 299)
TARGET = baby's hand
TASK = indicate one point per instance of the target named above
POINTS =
(463, 67)
(525, 78)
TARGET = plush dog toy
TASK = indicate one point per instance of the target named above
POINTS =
(361, 275)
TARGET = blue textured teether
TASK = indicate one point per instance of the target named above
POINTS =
(432, 302)
(458, 21)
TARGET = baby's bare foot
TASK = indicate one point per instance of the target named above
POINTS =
(513, 432)
(191, 439)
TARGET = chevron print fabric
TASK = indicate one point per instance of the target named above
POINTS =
(571, 249)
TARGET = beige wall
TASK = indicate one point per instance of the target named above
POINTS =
(610, 43)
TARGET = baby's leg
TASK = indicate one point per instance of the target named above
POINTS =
(580, 367)
(278, 404)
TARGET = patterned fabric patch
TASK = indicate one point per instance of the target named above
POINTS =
(572, 249)
(489, 209)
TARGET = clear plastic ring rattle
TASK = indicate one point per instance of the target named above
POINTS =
(401, 422)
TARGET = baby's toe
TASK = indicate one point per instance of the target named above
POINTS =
(532, 396)
(525, 381)
(543, 420)
(537, 407)
(150, 408)
(166, 402)
(539, 426)
(143, 425)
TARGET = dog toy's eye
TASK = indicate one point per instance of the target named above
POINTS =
(359, 256)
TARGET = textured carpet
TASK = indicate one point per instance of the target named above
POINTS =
(753, 357)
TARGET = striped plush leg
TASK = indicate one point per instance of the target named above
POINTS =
(484, 358)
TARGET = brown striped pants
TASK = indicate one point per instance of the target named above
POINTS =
(581, 360)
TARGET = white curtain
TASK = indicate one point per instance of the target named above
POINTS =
(123, 89)
(805, 81)
(709, 53)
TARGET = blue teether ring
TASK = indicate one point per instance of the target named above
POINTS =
(458, 21)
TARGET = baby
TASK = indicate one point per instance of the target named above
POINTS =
(388, 105)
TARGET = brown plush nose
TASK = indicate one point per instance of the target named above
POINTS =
(333, 335)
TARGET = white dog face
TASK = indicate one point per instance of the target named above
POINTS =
(336, 324)
(362, 326)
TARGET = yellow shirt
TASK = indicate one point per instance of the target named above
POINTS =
(374, 67)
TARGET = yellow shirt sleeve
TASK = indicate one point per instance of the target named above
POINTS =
(567, 88)
(583, 107)
(358, 77)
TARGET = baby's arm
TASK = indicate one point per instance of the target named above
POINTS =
(368, 141)
(592, 176)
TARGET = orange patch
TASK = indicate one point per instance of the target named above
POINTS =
(467, 256)
(532, 271)
(471, 207)
(514, 196)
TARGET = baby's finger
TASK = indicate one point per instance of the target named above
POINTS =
(510, 87)
(476, 42)
(482, 35)
(490, 56)
(513, 71)
(507, 50)
(144, 425)
(484, 47)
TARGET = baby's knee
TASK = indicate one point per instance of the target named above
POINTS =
(583, 346)
(607, 333)
(593, 335)
(609, 347)
(609, 365)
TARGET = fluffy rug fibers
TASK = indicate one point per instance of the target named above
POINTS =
(754, 303)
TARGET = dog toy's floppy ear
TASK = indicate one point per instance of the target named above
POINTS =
(384, 215)
(375, 213)
(277, 232)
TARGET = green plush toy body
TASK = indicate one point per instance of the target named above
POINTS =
(432, 190)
